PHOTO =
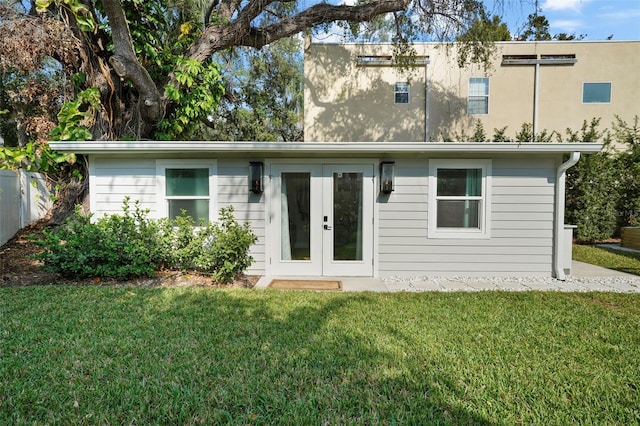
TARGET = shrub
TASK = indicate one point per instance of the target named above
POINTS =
(628, 167)
(603, 189)
(131, 245)
(221, 249)
(592, 197)
(227, 253)
(115, 246)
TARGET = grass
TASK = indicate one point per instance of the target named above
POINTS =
(126, 355)
(618, 260)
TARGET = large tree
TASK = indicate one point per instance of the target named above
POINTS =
(148, 64)
(264, 97)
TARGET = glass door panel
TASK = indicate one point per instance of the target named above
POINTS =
(295, 216)
(347, 216)
(297, 234)
(348, 208)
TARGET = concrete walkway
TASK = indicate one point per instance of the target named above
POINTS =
(584, 277)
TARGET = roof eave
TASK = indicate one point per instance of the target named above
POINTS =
(168, 147)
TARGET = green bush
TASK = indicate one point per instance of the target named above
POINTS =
(221, 249)
(227, 253)
(628, 167)
(130, 245)
(115, 246)
(592, 197)
(603, 189)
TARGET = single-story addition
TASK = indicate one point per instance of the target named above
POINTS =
(376, 209)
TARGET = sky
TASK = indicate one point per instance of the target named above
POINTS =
(597, 19)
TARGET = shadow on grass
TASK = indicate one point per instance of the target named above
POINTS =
(298, 362)
(124, 355)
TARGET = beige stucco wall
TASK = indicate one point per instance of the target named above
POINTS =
(347, 102)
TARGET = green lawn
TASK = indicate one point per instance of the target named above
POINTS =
(618, 260)
(125, 355)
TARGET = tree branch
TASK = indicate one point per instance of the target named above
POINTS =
(125, 63)
(207, 13)
(240, 33)
(227, 8)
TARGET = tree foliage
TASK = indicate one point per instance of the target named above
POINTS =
(265, 103)
(537, 29)
(603, 192)
(151, 61)
(476, 43)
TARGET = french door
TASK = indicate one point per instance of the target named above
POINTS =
(323, 220)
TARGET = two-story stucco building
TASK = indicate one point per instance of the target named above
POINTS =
(357, 92)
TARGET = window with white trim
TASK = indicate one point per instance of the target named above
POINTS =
(596, 93)
(459, 198)
(401, 93)
(189, 186)
(478, 100)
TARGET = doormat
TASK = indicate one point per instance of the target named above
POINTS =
(330, 285)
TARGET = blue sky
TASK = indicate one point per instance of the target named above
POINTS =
(598, 19)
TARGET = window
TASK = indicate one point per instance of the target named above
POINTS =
(478, 101)
(187, 185)
(596, 93)
(459, 195)
(401, 90)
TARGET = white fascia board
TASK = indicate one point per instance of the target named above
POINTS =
(164, 147)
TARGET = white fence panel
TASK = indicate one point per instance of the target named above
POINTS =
(24, 198)
(9, 204)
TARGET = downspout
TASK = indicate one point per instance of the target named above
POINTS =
(536, 87)
(558, 259)
(426, 102)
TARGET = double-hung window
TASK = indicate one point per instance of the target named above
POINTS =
(478, 100)
(596, 93)
(401, 93)
(189, 186)
(459, 198)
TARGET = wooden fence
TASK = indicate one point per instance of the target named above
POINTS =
(630, 237)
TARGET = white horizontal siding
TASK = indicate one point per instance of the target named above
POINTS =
(404, 249)
(453, 269)
(112, 180)
(522, 208)
(493, 243)
(521, 241)
(233, 190)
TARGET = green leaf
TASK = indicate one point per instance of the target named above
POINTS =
(86, 24)
(43, 5)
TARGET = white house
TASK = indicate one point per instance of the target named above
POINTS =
(371, 209)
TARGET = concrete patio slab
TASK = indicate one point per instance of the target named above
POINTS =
(581, 269)
(584, 278)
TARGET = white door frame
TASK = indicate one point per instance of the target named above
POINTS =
(274, 266)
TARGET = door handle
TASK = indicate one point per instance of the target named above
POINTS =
(327, 227)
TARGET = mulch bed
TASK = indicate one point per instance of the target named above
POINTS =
(17, 269)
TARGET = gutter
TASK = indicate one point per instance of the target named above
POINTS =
(304, 149)
(558, 259)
